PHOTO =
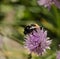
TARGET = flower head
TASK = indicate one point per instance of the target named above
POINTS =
(57, 3)
(37, 41)
(58, 55)
(48, 3)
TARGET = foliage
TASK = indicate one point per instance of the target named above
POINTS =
(16, 14)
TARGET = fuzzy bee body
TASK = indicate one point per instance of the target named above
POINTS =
(28, 29)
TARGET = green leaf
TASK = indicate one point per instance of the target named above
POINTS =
(55, 12)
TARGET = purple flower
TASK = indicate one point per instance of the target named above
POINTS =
(37, 41)
(48, 3)
(58, 55)
(57, 3)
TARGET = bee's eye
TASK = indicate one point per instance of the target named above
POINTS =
(27, 28)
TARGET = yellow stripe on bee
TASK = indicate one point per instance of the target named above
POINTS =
(37, 26)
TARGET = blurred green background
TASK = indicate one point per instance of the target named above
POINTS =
(14, 16)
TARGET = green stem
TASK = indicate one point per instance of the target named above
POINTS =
(30, 56)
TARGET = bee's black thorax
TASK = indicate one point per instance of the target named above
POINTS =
(28, 29)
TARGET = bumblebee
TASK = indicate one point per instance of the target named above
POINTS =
(28, 29)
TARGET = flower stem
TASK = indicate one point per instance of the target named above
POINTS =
(30, 56)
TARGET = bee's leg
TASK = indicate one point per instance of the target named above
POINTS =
(41, 27)
(34, 35)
